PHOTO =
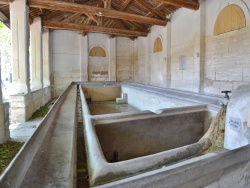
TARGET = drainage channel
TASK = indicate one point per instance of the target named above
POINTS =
(81, 167)
(55, 154)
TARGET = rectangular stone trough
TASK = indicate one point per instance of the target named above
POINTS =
(122, 145)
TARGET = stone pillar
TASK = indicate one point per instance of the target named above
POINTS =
(84, 58)
(1, 94)
(148, 49)
(46, 58)
(4, 115)
(199, 47)
(36, 54)
(168, 54)
(135, 60)
(21, 98)
(19, 44)
(112, 59)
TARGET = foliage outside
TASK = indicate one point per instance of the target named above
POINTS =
(8, 152)
(5, 41)
(42, 111)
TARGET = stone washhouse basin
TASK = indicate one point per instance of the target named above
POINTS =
(123, 145)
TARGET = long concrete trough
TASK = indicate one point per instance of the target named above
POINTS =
(145, 148)
(48, 158)
(123, 145)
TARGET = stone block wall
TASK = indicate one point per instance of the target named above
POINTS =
(211, 63)
(192, 58)
(124, 59)
(145, 100)
(4, 123)
(65, 60)
(23, 106)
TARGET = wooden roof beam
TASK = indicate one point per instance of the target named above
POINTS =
(93, 18)
(125, 5)
(91, 28)
(71, 17)
(107, 4)
(119, 24)
(158, 8)
(5, 19)
(190, 4)
(85, 9)
(52, 15)
(5, 2)
(137, 26)
(150, 9)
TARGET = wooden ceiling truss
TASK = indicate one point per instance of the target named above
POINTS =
(130, 18)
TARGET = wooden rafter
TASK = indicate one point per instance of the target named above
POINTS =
(52, 15)
(71, 17)
(4, 19)
(119, 24)
(93, 18)
(4, 2)
(91, 28)
(190, 4)
(107, 4)
(158, 8)
(150, 9)
(137, 26)
(125, 5)
(84, 9)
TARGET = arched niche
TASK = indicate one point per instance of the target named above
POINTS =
(97, 51)
(157, 45)
(230, 18)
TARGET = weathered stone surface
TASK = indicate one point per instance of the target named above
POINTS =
(237, 132)
(22, 107)
(4, 123)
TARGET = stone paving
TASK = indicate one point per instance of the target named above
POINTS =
(21, 132)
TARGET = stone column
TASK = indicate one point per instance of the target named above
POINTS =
(46, 58)
(148, 53)
(1, 94)
(4, 115)
(21, 98)
(36, 54)
(135, 60)
(84, 58)
(199, 47)
(168, 54)
(112, 59)
(19, 44)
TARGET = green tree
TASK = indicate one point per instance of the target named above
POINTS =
(5, 41)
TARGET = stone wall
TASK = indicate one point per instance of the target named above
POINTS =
(151, 68)
(148, 100)
(98, 67)
(65, 60)
(126, 53)
(4, 123)
(210, 63)
(227, 56)
(71, 60)
(23, 106)
(192, 59)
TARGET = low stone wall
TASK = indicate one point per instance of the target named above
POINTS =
(4, 123)
(23, 106)
(150, 100)
(136, 137)
(103, 92)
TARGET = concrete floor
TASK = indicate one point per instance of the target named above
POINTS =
(21, 132)
(109, 107)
